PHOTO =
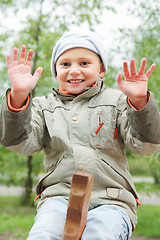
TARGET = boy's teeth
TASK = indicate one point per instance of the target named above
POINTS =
(75, 81)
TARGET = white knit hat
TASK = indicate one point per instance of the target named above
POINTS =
(74, 39)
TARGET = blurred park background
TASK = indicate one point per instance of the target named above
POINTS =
(129, 29)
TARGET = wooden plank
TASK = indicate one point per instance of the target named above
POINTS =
(78, 205)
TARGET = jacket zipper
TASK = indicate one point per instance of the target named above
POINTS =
(57, 163)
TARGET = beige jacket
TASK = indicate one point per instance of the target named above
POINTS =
(64, 126)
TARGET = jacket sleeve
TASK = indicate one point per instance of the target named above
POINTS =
(18, 132)
(140, 130)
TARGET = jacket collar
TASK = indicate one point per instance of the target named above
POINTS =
(88, 92)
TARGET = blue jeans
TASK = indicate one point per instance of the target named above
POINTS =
(106, 222)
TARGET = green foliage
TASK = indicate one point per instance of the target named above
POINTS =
(16, 219)
(147, 187)
(147, 43)
(3, 70)
(42, 48)
(111, 76)
(13, 167)
(155, 167)
(42, 30)
(5, 2)
(145, 166)
(148, 222)
(143, 41)
(139, 165)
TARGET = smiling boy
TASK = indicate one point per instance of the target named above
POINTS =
(83, 125)
(76, 72)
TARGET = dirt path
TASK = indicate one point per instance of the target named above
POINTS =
(145, 198)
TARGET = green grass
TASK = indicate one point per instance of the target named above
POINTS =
(16, 220)
(148, 222)
(147, 187)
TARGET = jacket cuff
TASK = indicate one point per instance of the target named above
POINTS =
(132, 106)
(12, 109)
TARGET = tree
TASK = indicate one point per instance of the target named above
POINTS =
(145, 42)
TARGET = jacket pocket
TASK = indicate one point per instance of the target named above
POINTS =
(113, 193)
(102, 126)
(58, 129)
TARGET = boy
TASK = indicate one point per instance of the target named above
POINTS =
(82, 126)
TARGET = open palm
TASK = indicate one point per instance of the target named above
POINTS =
(135, 85)
(19, 72)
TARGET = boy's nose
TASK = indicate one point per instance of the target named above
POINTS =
(74, 70)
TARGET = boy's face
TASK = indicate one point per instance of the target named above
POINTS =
(78, 68)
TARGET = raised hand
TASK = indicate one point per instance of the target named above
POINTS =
(22, 81)
(136, 84)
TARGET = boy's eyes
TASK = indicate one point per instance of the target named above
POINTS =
(84, 63)
(65, 64)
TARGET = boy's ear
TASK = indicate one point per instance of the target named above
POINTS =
(102, 71)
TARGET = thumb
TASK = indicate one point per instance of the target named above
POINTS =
(120, 81)
(38, 73)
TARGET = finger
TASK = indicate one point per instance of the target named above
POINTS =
(15, 56)
(29, 58)
(8, 60)
(143, 66)
(133, 67)
(22, 55)
(37, 73)
(150, 70)
(125, 69)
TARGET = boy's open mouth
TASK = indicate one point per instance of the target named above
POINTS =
(75, 81)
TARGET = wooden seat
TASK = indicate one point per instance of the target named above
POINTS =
(78, 205)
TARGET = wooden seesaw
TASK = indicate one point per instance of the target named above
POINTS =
(78, 205)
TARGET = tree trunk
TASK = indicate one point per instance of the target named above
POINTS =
(29, 181)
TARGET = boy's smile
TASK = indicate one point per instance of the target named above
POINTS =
(78, 68)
